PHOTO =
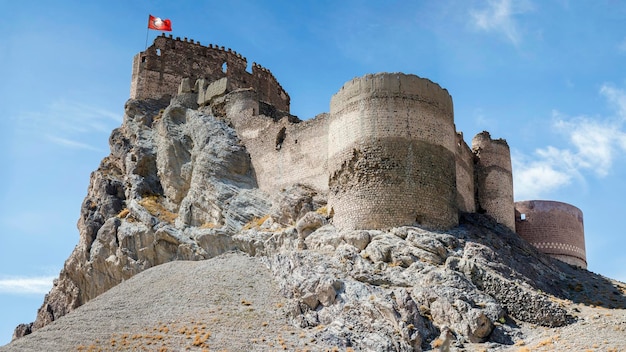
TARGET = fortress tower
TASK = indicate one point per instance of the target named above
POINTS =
(391, 153)
(159, 69)
(554, 228)
(494, 178)
(386, 155)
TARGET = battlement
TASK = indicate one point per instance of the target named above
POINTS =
(388, 153)
(159, 69)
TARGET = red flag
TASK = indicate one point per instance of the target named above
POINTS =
(159, 24)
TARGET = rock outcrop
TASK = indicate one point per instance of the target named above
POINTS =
(179, 185)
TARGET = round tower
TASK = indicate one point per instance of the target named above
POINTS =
(554, 228)
(494, 179)
(391, 149)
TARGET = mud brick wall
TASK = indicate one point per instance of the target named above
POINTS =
(391, 153)
(159, 69)
(465, 176)
(494, 178)
(554, 228)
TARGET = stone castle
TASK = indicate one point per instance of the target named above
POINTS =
(388, 153)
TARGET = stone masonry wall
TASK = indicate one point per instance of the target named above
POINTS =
(554, 228)
(159, 69)
(391, 153)
(284, 151)
(387, 154)
(494, 178)
(465, 176)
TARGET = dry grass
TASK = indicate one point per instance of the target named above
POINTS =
(153, 205)
(124, 213)
(255, 223)
(195, 333)
(210, 225)
(437, 343)
(322, 211)
(158, 116)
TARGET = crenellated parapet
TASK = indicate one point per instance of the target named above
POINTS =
(159, 69)
(388, 153)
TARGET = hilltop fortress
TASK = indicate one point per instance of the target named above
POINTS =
(388, 153)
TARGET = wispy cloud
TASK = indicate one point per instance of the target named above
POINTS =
(71, 144)
(593, 145)
(498, 17)
(70, 124)
(26, 285)
(533, 178)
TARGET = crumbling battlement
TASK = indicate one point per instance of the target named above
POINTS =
(493, 175)
(159, 69)
(388, 153)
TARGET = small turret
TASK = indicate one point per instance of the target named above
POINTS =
(494, 178)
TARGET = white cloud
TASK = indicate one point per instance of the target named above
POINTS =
(71, 143)
(533, 179)
(498, 16)
(69, 124)
(593, 145)
(26, 285)
(617, 97)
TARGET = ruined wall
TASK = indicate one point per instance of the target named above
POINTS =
(159, 69)
(391, 153)
(494, 178)
(284, 151)
(464, 176)
(554, 228)
(387, 154)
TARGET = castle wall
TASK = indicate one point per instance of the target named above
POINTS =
(391, 153)
(554, 228)
(159, 69)
(387, 154)
(494, 178)
(283, 152)
(465, 176)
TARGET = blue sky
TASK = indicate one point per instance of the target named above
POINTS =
(548, 76)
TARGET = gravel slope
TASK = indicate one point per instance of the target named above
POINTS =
(231, 303)
(225, 303)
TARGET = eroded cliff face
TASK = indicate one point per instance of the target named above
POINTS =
(176, 181)
(179, 185)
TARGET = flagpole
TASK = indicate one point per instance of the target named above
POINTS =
(147, 31)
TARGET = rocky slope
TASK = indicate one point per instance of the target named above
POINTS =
(178, 185)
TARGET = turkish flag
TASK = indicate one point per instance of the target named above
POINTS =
(159, 24)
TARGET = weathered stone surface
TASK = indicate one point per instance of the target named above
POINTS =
(179, 185)
(310, 222)
(209, 90)
(294, 202)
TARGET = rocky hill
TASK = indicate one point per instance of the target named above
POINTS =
(273, 273)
